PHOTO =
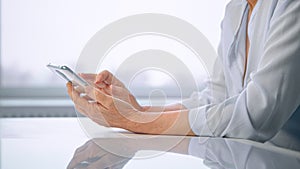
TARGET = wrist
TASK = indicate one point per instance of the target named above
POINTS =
(151, 122)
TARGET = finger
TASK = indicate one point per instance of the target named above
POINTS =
(69, 87)
(90, 77)
(99, 96)
(118, 92)
(79, 89)
(81, 110)
(107, 90)
(88, 98)
(78, 100)
(107, 95)
(94, 111)
(72, 86)
(104, 78)
(91, 110)
(99, 115)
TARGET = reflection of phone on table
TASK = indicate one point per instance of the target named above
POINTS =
(67, 74)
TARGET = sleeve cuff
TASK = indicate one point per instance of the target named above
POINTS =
(196, 100)
(198, 122)
(190, 103)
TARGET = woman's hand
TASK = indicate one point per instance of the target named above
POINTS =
(114, 106)
(109, 84)
(105, 109)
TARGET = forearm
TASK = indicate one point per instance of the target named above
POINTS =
(169, 123)
(173, 107)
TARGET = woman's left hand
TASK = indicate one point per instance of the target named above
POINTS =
(108, 108)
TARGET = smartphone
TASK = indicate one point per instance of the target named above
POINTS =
(68, 74)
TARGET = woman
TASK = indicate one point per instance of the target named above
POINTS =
(254, 92)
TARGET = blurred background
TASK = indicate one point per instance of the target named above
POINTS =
(37, 32)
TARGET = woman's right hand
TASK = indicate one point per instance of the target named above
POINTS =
(106, 82)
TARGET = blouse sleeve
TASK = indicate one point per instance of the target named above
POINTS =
(271, 96)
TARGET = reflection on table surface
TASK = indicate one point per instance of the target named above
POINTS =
(61, 143)
(214, 152)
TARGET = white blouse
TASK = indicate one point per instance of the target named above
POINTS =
(268, 99)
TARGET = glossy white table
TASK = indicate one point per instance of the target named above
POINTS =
(36, 143)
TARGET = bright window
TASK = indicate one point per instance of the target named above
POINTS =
(36, 32)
